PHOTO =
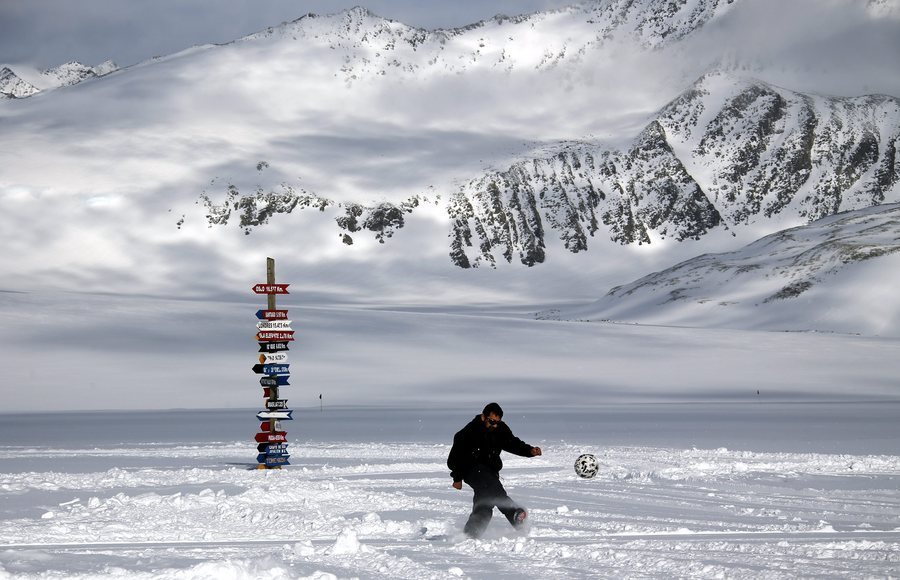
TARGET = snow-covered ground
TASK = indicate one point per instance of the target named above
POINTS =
(368, 495)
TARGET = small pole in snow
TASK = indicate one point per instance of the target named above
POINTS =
(321, 405)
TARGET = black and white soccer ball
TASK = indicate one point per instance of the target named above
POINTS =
(586, 466)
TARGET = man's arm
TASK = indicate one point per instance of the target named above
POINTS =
(456, 459)
(516, 446)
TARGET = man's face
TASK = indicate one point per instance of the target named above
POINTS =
(491, 420)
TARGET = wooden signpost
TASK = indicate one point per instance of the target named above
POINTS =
(273, 333)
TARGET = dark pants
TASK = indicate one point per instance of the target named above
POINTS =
(489, 493)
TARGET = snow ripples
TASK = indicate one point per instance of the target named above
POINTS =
(387, 510)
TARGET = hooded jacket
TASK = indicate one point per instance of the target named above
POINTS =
(475, 444)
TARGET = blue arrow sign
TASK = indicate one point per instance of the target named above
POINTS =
(271, 314)
(268, 460)
(272, 369)
(277, 381)
(273, 449)
(284, 414)
(270, 453)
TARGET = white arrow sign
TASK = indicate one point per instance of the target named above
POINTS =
(284, 415)
(273, 357)
(274, 325)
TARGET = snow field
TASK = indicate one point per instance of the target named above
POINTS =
(368, 510)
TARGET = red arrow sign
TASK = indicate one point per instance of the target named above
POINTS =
(271, 288)
(265, 425)
(276, 437)
(275, 335)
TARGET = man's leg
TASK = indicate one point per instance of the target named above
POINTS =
(480, 517)
(507, 506)
(489, 492)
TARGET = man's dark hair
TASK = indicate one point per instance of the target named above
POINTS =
(492, 408)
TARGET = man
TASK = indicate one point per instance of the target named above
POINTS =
(475, 459)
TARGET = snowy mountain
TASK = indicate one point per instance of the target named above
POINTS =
(836, 274)
(593, 141)
(376, 46)
(13, 87)
(64, 75)
(726, 153)
(373, 45)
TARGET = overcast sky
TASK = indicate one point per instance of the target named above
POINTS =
(46, 33)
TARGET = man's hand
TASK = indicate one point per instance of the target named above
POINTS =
(535, 451)
(457, 485)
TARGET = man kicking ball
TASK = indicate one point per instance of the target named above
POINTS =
(475, 459)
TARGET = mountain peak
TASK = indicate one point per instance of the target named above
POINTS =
(11, 86)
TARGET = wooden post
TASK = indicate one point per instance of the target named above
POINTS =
(270, 279)
(274, 424)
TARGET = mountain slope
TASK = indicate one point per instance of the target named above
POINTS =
(836, 274)
(375, 46)
(729, 152)
(13, 87)
(538, 139)
(39, 81)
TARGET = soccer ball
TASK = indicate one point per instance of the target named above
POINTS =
(586, 466)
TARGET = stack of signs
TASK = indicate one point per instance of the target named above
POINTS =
(273, 335)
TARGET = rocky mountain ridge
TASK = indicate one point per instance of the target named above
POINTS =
(376, 46)
(727, 153)
(12, 86)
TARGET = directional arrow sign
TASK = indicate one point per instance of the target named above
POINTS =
(276, 404)
(264, 426)
(272, 369)
(275, 335)
(274, 324)
(273, 357)
(273, 448)
(273, 346)
(270, 393)
(263, 458)
(272, 314)
(271, 288)
(284, 415)
(277, 437)
(276, 381)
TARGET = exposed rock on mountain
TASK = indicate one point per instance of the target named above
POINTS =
(70, 73)
(12, 87)
(377, 46)
(380, 219)
(728, 152)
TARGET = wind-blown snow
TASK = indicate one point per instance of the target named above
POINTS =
(376, 509)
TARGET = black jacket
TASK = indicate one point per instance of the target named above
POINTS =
(475, 444)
